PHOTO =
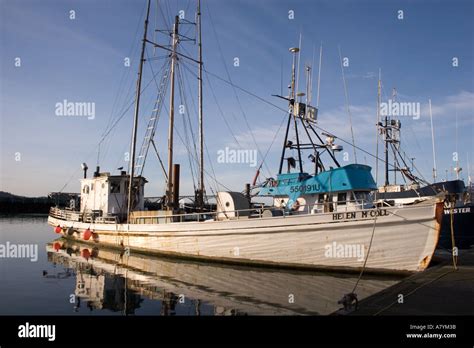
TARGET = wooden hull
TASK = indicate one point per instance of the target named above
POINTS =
(404, 239)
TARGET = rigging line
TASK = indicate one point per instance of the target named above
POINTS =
(397, 163)
(358, 148)
(160, 10)
(213, 176)
(280, 108)
(193, 102)
(274, 138)
(221, 113)
(154, 79)
(421, 176)
(110, 121)
(183, 92)
(186, 145)
(347, 103)
(168, 12)
(132, 49)
(186, 135)
(128, 108)
(233, 89)
(245, 91)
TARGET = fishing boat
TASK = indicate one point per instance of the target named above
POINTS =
(322, 218)
(458, 213)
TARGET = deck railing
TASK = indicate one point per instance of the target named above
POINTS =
(74, 215)
(256, 212)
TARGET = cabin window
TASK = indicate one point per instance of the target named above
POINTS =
(85, 189)
(341, 198)
(103, 185)
(361, 196)
(321, 198)
(114, 187)
(92, 187)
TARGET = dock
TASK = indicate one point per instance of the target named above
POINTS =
(440, 290)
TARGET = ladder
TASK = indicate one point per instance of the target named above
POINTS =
(151, 127)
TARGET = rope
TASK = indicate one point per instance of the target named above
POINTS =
(348, 299)
(368, 252)
(453, 251)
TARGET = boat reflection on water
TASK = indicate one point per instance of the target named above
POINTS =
(108, 279)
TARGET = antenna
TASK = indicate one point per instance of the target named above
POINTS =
(457, 169)
(298, 68)
(309, 83)
(432, 142)
(468, 170)
(347, 105)
(319, 72)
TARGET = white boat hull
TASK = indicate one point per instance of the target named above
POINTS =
(404, 239)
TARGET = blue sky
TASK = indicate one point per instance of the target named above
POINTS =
(82, 60)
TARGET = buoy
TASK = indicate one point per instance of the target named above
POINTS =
(57, 246)
(86, 254)
(87, 234)
(58, 229)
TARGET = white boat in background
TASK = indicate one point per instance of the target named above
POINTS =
(323, 220)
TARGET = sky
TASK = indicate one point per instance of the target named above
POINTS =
(423, 50)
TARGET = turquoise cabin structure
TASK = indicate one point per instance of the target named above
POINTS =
(347, 182)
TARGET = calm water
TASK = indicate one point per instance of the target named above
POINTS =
(72, 278)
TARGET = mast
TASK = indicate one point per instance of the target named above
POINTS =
(201, 133)
(295, 97)
(379, 87)
(433, 142)
(169, 191)
(386, 150)
(135, 119)
(291, 101)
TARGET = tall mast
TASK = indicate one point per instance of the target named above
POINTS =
(386, 151)
(433, 142)
(291, 98)
(386, 138)
(295, 96)
(379, 88)
(169, 192)
(201, 133)
(135, 119)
